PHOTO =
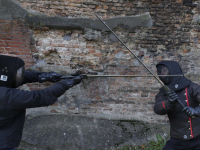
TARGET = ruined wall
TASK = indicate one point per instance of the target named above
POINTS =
(169, 33)
(65, 35)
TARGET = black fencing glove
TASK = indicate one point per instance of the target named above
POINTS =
(192, 111)
(172, 98)
(49, 76)
(73, 81)
(76, 74)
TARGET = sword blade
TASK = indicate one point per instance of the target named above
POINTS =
(85, 76)
(97, 76)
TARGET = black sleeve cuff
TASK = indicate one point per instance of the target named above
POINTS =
(30, 77)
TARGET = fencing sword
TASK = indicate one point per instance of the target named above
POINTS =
(86, 76)
(167, 89)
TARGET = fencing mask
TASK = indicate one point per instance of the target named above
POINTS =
(11, 71)
(163, 70)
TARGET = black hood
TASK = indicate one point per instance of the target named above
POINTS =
(8, 69)
(175, 82)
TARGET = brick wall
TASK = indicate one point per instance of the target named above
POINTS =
(173, 36)
(15, 39)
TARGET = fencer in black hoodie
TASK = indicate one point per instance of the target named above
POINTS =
(184, 123)
(13, 102)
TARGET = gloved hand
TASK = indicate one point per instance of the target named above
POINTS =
(172, 97)
(49, 76)
(74, 81)
(76, 74)
(192, 111)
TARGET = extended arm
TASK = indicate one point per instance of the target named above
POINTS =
(32, 76)
(19, 99)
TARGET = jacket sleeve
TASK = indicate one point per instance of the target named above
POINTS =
(30, 77)
(162, 105)
(20, 99)
(195, 92)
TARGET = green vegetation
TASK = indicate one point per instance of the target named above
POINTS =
(152, 145)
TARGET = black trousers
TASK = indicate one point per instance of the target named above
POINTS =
(177, 144)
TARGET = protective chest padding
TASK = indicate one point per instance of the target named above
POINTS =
(8, 69)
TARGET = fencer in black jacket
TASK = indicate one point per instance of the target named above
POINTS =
(184, 123)
(13, 102)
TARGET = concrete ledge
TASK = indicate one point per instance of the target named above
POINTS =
(40, 20)
(10, 9)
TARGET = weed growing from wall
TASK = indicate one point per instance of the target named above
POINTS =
(152, 145)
